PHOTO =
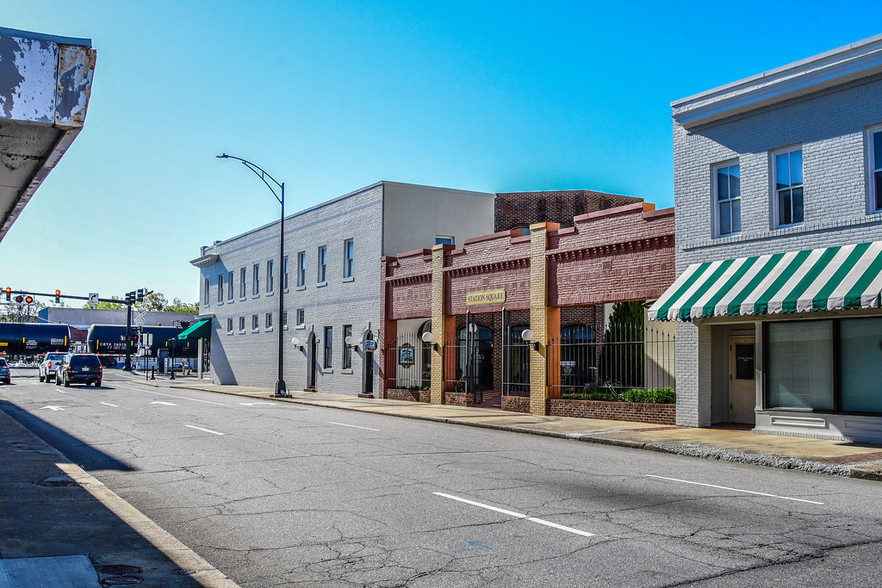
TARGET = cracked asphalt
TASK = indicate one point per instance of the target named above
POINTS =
(277, 494)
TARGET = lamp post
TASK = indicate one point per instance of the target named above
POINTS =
(281, 388)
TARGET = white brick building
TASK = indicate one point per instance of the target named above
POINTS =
(778, 186)
(331, 278)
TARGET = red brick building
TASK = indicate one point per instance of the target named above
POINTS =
(517, 315)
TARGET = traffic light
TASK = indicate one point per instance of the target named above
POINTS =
(57, 296)
(19, 298)
(29, 299)
(141, 294)
(130, 297)
(8, 294)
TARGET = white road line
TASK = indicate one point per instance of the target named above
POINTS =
(353, 426)
(108, 404)
(206, 430)
(163, 403)
(735, 489)
(181, 397)
(518, 515)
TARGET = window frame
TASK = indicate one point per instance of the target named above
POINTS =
(773, 164)
(255, 322)
(242, 324)
(268, 321)
(243, 283)
(874, 197)
(255, 280)
(328, 345)
(347, 350)
(270, 269)
(445, 240)
(300, 318)
(285, 273)
(715, 169)
(207, 293)
(230, 326)
(301, 269)
(220, 288)
(321, 274)
(349, 258)
(230, 288)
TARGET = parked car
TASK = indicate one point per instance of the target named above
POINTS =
(79, 368)
(5, 375)
(48, 365)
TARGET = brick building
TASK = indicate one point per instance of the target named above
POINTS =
(778, 186)
(516, 211)
(515, 315)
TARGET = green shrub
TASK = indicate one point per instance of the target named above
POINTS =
(651, 395)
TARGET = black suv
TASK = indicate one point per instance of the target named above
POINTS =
(79, 369)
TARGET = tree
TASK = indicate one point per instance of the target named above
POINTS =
(152, 302)
(178, 306)
(106, 305)
(621, 358)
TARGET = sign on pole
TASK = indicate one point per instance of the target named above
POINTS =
(93, 298)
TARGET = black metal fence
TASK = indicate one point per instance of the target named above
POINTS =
(624, 356)
(408, 363)
(515, 363)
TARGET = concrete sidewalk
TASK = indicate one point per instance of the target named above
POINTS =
(839, 458)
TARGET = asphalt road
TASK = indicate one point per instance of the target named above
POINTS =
(280, 494)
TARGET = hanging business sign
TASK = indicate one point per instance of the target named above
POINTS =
(485, 297)
(405, 355)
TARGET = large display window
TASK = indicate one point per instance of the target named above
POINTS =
(826, 365)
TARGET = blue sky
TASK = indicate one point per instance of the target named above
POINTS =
(329, 96)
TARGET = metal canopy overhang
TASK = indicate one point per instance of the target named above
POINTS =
(816, 280)
(201, 330)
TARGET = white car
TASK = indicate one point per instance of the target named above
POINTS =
(48, 365)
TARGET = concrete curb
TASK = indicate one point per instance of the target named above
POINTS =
(861, 471)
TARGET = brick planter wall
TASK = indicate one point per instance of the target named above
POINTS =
(516, 403)
(459, 398)
(409, 395)
(662, 414)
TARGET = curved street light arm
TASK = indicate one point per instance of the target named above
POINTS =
(258, 171)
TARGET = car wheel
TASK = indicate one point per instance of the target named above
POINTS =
(98, 384)
(66, 383)
(8, 381)
(57, 382)
(42, 378)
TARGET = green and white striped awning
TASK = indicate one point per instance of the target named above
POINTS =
(801, 281)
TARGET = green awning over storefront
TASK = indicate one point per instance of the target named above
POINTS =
(834, 278)
(201, 330)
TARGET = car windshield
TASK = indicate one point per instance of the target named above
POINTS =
(54, 356)
(84, 361)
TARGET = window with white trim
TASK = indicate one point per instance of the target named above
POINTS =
(207, 290)
(727, 199)
(242, 283)
(229, 325)
(285, 273)
(269, 276)
(322, 275)
(230, 286)
(254, 322)
(241, 324)
(301, 317)
(329, 348)
(444, 240)
(220, 287)
(787, 182)
(874, 148)
(348, 258)
(255, 279)
(269, 320)
(301, 268)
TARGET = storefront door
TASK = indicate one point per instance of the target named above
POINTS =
(742, 382)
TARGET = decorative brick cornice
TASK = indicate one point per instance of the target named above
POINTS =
(503, 265)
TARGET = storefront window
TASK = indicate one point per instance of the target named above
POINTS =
(801, 365)
(861, 352)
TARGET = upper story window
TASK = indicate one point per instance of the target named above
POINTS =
(322, 264)
(242, 324)
(269, 276)
(230, 286)
(727, 199)
(301, 317)
(220, 287)
(348, 258)
(207, 291)
(301, 268)
(875, 152)
(285, 273)
(787, 180)
(229, 325)
(255, 279)
(443, 240)
(242, 283)
(254, 322)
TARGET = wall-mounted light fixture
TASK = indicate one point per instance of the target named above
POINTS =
(427, 337)
(528, 336)
(296, 343)
(351, 342)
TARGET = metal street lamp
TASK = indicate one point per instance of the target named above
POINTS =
(281, 388)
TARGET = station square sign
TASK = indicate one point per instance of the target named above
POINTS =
(485, 297)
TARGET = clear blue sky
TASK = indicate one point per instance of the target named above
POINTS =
(329, 96)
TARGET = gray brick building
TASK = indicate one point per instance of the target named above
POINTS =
(778, 186)
(331, 277)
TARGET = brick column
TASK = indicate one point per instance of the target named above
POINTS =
(439, 324)
(539, 315)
